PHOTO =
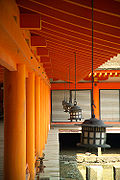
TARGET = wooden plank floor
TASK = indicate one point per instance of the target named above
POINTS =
(1, 148)
(51, 160)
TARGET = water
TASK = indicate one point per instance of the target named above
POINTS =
(70, 166)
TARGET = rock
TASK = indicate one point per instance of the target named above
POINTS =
(90, 159)
(87, 153)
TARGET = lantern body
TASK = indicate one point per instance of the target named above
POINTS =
(75, 113)
(94, 134)
(67, 106)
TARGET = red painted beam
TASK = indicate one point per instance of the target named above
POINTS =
(78, 34)
(61, 86)
(104, 85)
(47, 65)
(41, 51)
(82, 38)
(64, 53)
(79, 42)
(79, 45)
(70, 49)
(44, 59)
(79, 10)
(74, 19)
(38, 41)
(30, 21)
(107, 71)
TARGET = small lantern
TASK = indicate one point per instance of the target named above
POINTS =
(93, 130)
(67, 106)
(75, 112)
(63, 103)
(93, 134)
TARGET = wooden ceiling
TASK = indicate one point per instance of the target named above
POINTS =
(66, 27)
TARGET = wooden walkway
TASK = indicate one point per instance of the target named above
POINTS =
(51, 152)
(51, 160)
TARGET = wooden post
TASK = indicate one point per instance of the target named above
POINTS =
(37, 115)
(41, 118)
(15, 124)
(31, 124)
(96, 100)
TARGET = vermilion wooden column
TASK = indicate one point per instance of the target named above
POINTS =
(49, 106)
(47, 111)
(46, 117)
(37, 115)
(41, 119)
(44, 128)
(15, 124)
(96, 100)
(30, 93)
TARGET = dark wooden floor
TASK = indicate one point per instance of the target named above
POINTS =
(1, 148)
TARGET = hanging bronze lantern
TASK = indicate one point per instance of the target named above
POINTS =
(67, 105)
(93, 134)
(75, 111)
(64, 102)
(93, 130)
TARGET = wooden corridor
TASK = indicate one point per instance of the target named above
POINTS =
(51, 161)
(37, 44)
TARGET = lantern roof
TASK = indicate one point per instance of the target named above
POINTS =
(75, 108)
(94, 122)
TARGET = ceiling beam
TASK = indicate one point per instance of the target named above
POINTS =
(42, 51)
(30, 21)
(38, 41)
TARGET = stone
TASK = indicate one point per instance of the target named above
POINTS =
(90, 159)
(99, 151)
(116, 172)
(107, 172)
(82, 172)
(94, 173)
(80, 159)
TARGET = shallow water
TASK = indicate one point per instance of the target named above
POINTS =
(69, 166)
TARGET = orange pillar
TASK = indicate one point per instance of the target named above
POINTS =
(30, 94)
(37, 116)
(47, 102)
(41, 118)
(15, 124)
(47, 111)
(46, 118)
(49, 106)
(96, 99)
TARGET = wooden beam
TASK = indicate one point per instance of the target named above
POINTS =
(38, 41)
(44, 59)
(41, 51)
(30, 21)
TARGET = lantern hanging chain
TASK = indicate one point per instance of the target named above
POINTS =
(92, 103)
(66, 86)
(75, 76)
(69, 84)
(69, 77)
(64, 91)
